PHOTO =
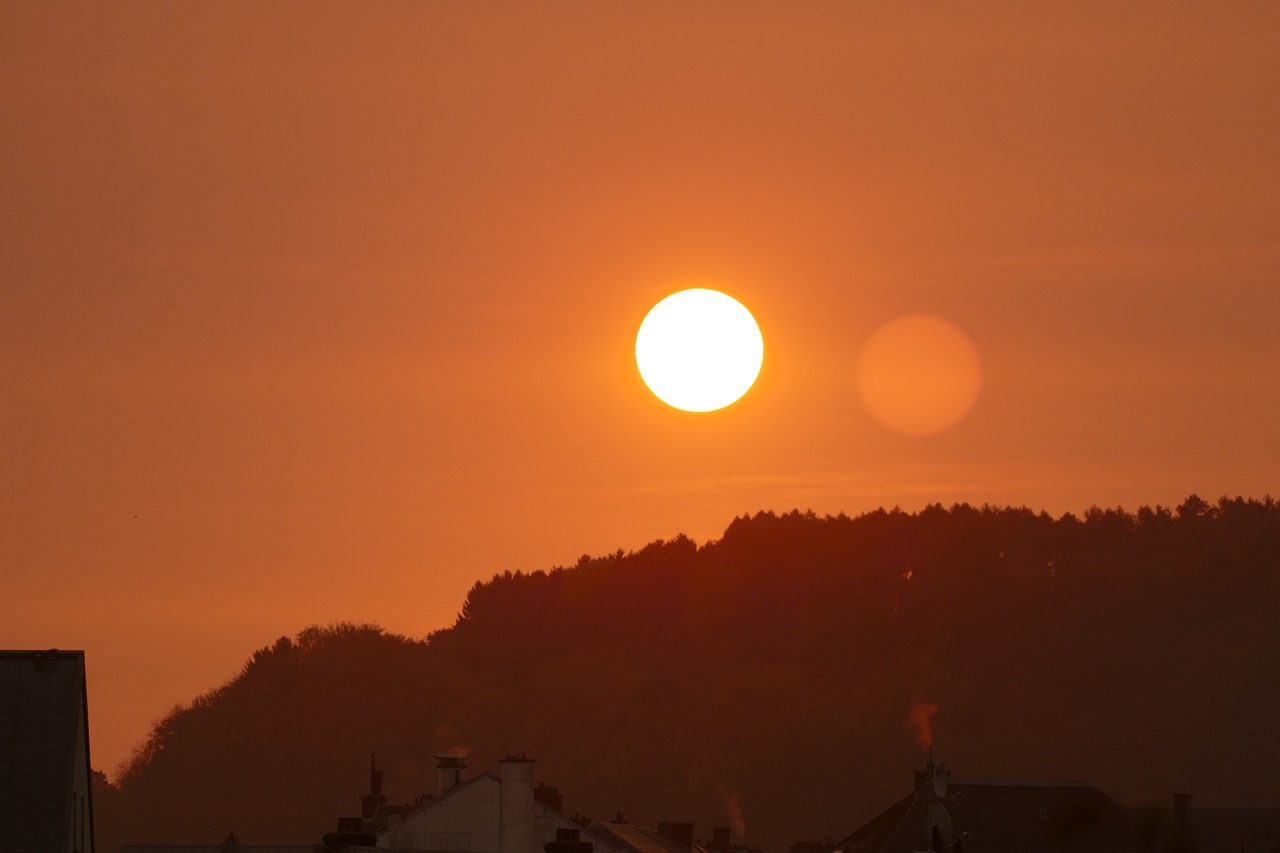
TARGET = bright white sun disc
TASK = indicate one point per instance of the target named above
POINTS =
(699, 350)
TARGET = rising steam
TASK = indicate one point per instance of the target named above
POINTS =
(733, 809)
(919, 722)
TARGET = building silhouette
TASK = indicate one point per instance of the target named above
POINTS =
(46, 794)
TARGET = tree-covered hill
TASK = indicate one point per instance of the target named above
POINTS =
(771, 671)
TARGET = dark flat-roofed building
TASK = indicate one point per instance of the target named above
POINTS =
(1212, 829)
(1053, 816)
(998, 816)
(46, 803)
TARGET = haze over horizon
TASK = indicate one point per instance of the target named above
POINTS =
(323, 312)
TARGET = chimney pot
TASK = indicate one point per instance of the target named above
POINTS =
(568, 841)
(451, 770)
(549, 796)
(1181, 806)
(681, 833)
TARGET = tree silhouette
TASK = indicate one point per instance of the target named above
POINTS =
(776, 664)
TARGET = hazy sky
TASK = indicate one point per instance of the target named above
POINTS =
(314, 311)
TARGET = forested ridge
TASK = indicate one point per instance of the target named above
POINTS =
(769, 672)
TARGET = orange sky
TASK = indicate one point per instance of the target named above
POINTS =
(314, 312)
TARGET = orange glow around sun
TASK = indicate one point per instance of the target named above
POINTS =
(919, 375)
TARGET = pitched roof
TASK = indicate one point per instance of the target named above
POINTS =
(1003, 816)
(44, 748)
(638, 839)
(604, 841)
(872, 836)
(407, 812)
(431, 802)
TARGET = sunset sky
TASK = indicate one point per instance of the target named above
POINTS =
(316, 312)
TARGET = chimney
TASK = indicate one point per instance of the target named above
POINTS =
(1181, 805)
(568, 841)
(517, 804)
(452, 770)
(681, 833)
(720, 838)
(370, 802)
(549, 796)
(920, 778)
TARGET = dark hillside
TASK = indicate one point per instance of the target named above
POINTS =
(772, 669)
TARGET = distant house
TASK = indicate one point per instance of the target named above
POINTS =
(46, 800)
(998, 816)
(488, 813)
(1042, 816)
(508, 813)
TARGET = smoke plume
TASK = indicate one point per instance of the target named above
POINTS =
(919, 722)
(733, 809)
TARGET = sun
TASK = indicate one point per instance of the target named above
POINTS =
(699, 350)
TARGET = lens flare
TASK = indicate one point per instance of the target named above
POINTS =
(919, 375)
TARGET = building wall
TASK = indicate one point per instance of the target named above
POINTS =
(468, 820)
(545, 824)
(80, 805)
(517, 805)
